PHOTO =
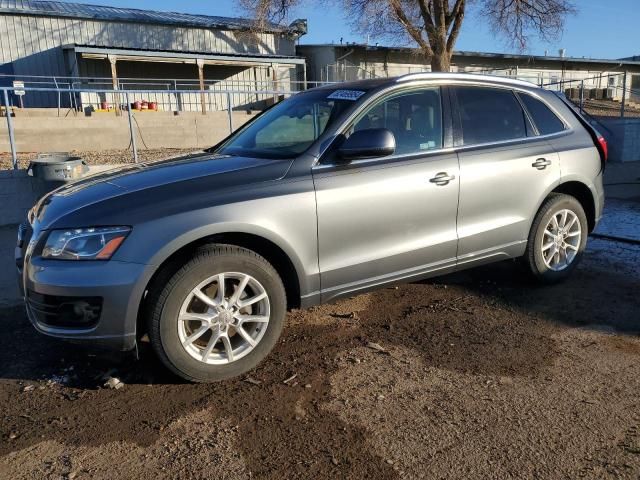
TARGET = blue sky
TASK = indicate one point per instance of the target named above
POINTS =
(601, 29)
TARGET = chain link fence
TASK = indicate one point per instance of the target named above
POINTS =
(615, 99)
(144, 120)
(116, 126)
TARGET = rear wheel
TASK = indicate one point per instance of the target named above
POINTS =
(219, 315)
(557, 239)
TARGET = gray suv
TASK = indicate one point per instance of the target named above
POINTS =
(335, 191)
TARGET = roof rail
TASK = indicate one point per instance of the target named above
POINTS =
(462, 76)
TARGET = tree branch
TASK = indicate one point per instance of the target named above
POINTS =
(458, 17)
(412, 30)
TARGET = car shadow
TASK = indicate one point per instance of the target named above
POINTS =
(603, 299)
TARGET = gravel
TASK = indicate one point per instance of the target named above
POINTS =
(109, 157)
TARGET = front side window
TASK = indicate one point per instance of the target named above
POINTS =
(490, 115)
(546, 121)
(414, 118)
(289, 128)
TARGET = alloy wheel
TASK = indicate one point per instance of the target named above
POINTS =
(223, 318)
(561, 240)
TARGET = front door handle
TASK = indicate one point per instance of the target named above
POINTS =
(541, 163)
(442, 178)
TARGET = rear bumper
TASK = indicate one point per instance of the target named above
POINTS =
(94, 302)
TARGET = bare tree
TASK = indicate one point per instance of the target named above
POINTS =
(434, 25)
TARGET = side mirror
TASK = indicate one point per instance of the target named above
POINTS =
(369, 143)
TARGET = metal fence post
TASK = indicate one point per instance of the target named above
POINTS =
(624, 95)
(134, 146)
(57, 88)
(582, 96)
(12, 139)
(229, 112)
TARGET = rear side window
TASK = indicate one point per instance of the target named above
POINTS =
(490, 115)
(546, 121)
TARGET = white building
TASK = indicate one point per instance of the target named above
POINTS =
(84, 46)
(331, 62)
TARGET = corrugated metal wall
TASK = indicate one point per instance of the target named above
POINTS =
(33, 44)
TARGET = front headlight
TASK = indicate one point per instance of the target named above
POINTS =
(98, 243)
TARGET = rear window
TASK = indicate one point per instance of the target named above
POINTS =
(546, 121)
(490, 115)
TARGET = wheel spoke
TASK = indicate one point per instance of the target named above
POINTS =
(574, 219)
(574, 234)
(547, 246)
(554, 221)
(228, 348)
(548, 232)
(239, 289)
(563, 221)
(220, 294)
(199, 317)
(251, 318)
(251, 301)
(195, 335)
(572, 247)
(205, 298)
(212, 343)
(243, 333)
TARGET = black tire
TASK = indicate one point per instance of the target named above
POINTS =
(166, 301)
(533, 257)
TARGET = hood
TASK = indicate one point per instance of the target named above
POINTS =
(117, 196)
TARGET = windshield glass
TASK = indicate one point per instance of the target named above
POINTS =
(290, 127)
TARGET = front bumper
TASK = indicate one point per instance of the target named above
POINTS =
(104, 298)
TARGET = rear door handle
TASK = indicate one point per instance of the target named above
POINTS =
(541, 163)
(442, 178)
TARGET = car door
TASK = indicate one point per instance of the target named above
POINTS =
(506, 168)
(394, 217)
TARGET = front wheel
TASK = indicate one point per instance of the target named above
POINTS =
(557, 239)
(219, 315)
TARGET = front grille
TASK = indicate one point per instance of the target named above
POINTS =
(64, 312)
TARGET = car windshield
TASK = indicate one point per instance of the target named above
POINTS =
(290, 127)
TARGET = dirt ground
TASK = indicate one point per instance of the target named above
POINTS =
(483, 375)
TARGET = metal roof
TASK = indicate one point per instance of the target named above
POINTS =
(635, 61)
(140, 54)
(114, 14)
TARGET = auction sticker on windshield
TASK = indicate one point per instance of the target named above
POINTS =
(346, 95)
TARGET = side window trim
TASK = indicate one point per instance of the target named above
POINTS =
(456, 119)
(447, 117)
(527, 114)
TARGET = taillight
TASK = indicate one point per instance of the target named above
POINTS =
(604, 148)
